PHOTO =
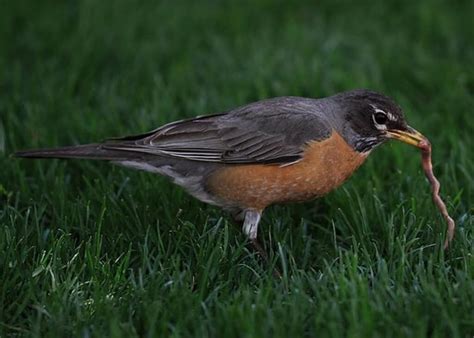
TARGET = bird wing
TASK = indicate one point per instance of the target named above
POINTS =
(263, 132)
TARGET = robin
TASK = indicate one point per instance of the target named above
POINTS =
(284, 149)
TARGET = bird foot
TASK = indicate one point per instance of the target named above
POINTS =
(261, 252)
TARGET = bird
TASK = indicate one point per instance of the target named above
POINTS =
(276, 150)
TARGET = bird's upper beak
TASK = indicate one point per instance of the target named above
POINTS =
(410, 136)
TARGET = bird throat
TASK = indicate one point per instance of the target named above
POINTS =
(367, 144)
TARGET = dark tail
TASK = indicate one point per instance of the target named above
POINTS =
(87, 151)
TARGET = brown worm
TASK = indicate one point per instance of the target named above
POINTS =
(425, 147)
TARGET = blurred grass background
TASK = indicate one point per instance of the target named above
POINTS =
(89, 249)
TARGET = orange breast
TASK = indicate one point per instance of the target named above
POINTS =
(324, 166)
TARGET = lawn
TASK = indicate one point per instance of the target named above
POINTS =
(89, 249)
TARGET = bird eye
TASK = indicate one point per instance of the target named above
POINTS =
(380, 118)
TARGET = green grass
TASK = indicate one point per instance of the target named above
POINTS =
(89, 249)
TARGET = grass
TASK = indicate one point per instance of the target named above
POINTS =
(89, 249)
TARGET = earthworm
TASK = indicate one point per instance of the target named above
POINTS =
(425, 147)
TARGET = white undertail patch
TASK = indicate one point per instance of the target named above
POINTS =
(192, 184)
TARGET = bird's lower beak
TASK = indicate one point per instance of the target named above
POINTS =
(410, 136)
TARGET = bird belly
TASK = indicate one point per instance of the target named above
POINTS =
(324, 166)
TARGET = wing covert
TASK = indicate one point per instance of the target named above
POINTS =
(262, 132)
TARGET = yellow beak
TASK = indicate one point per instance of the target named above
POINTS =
(410, 136)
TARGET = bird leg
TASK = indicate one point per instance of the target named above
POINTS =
(250, 228)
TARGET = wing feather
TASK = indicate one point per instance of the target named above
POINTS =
(263, 132)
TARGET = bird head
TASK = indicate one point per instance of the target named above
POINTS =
(370, 119)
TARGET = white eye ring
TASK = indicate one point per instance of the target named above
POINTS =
(379, 126)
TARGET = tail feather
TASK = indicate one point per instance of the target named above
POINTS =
(86, 151)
